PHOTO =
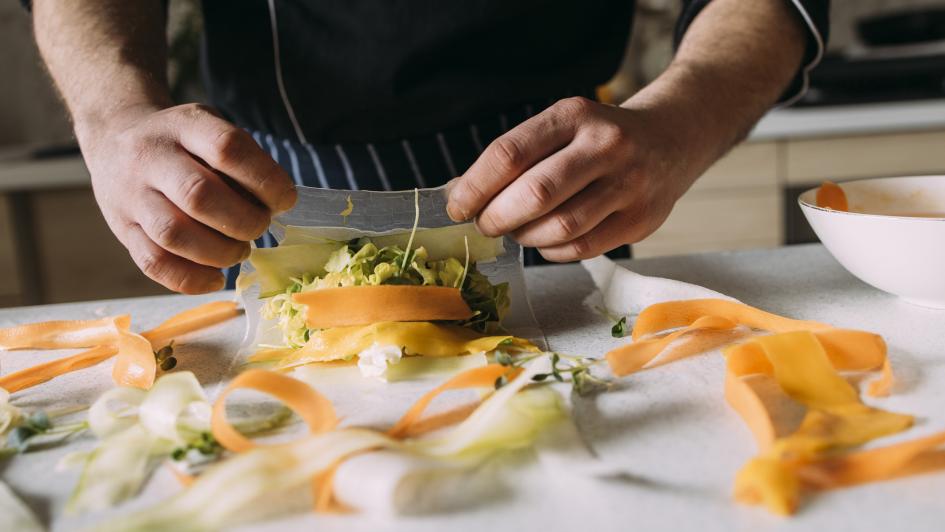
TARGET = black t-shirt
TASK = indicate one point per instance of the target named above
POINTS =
(374, 70)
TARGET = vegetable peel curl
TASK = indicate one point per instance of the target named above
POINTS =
(136, 426)
(483, 377)
(836, 420)
(671, 314)
(804, 358)
(316, 410)
(510, 417)
(134, 365)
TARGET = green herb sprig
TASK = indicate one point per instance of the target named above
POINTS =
(621, 328)
(205, 448)
(38, 430)
(564, 368)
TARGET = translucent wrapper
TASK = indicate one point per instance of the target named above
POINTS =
(323, 214)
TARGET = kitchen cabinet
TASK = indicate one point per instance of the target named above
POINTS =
(80, 258)
(9, 273)
(54, 244)
(735, 205)
(840, 158)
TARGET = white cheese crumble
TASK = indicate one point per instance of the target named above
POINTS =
(374, 360)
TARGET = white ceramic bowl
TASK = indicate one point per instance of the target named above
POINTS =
(893, 237)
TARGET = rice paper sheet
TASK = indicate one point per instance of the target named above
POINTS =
(322, 215)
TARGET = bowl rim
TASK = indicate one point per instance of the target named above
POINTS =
(803, 204)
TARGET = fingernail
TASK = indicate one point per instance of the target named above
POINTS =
(454, 213)
(218, 284)
(246, 253)
(452, 210)
(287, 201)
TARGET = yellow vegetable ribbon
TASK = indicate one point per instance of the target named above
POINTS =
(836, 419)
(804, 358)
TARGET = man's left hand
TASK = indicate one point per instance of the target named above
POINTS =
(576, 180)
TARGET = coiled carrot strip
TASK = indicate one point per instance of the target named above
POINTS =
(135, 364)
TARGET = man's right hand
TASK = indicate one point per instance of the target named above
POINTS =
(184, 190)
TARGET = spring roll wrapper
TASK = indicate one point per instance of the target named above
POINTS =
(318, 215)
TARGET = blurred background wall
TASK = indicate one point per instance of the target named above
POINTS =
(54, 245)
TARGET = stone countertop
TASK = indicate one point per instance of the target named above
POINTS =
(668, 428)
(850, 120)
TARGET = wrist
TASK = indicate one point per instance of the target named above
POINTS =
(703, 114)
(100, 119)
(689, 133)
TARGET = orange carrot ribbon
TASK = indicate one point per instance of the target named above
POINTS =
(363, 305)
(804, 357)
(314, 408)
(412, 422)
(135, 364)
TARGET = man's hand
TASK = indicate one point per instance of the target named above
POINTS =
(184, 190)
(576, 180)
(582, 178)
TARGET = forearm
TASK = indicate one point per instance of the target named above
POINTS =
(183, 189)
(734, 62)
(105, 56)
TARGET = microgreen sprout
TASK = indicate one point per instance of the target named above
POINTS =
(620, 328)
(205, 448)
(466, 265)
(413, 232)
